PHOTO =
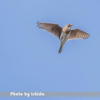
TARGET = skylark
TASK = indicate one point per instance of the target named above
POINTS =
(63, 34)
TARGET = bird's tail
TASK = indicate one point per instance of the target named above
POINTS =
(60, 49)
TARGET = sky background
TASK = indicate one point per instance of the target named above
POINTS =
(29, 59)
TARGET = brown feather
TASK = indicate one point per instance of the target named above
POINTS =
(54, 29)
(78, 34)
(60, 49)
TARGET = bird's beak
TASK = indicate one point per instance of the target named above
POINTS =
(71, 25)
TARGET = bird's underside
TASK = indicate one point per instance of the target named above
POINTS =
(63, 34)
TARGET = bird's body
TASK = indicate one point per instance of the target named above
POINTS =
(63, 34)
(63, 38)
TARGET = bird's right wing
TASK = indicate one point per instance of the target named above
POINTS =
(54, 29)
(78, 34)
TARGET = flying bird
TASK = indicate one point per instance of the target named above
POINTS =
(63, 34)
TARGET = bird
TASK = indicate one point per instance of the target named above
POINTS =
(63, 34)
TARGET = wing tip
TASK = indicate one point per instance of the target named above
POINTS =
(88, 35)
(38, 24)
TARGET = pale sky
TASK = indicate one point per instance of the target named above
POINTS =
(29, 59)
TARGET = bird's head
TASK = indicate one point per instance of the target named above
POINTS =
(67, 27)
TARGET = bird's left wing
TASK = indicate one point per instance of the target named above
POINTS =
(54, 29)
(78, 34)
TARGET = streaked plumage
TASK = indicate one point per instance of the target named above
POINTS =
(63, 34)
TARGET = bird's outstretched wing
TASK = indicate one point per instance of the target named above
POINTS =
(54, 29)
(78, 34)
